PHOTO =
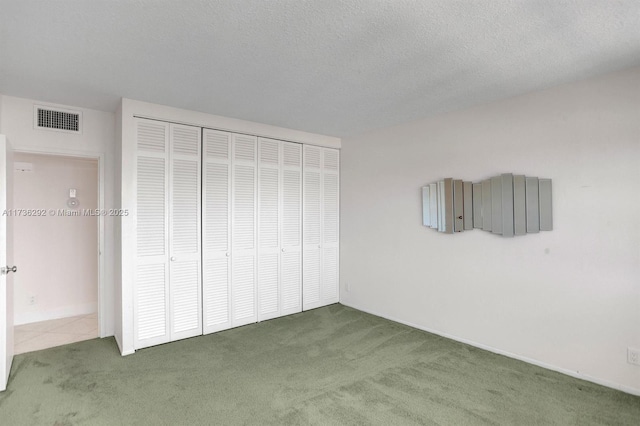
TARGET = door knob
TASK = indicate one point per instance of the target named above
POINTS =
(173, 258)
(283, 250)
(227, 254)
(6, 269)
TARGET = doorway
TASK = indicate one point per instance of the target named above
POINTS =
(56, 294)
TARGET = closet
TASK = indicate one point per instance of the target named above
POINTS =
(279, 228)
(167, 270)
(230, 229)
(320, 227)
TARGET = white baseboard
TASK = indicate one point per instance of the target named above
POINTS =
(577, 375)
(64, 312)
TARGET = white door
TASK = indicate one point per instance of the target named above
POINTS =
(184, 236)
(321, 195)
(216, 235)
(269, 218)
(151, 288)
(243, 230)
(291, 246)
(6, 259)
(312, 228)
(329, 292)
(279, 227)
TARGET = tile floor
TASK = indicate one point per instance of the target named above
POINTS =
(47, 334)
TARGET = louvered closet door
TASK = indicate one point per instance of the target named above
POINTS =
(269, 219)
(243, 230)
(312, 227)
(184, 225)
(216, 233)
(291, 230)
(329, 290)
(279, 228)
(151, 275)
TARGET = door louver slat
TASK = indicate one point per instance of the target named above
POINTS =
(216, 291)
(151, 206)
(185, 297)
(151, 302)
(217, 207)
(185, 212)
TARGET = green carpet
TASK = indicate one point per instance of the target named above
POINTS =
(333, 365)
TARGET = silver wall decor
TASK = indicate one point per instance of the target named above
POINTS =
(506, 205)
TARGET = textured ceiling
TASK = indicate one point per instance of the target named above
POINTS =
(325, 66)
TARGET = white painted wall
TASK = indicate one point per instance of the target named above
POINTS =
(97, 140)
(57, 255)
(567, 299)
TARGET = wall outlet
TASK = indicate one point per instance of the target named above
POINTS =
(32, 300)
(347, 287)
(633, 356)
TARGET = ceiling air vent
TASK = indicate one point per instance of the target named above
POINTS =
(57, 119)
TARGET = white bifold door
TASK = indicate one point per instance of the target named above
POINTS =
(230, 229)
(279, 228)
(229, 197)
(167, 276)
(321, 195)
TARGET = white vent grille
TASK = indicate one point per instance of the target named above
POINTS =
(57, 119)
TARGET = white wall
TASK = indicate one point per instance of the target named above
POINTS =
(97, 140)
(57, 255)
(567, 299)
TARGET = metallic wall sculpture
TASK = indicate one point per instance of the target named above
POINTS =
(506, 205)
